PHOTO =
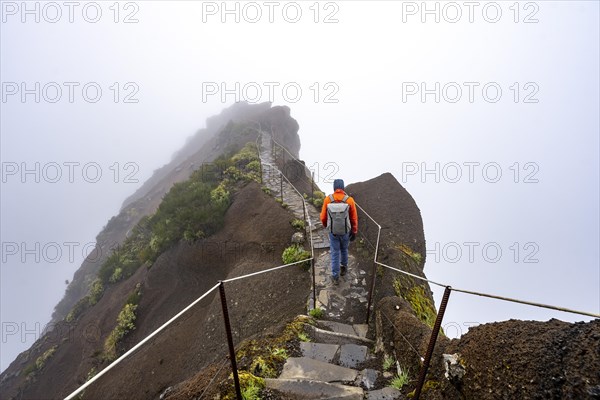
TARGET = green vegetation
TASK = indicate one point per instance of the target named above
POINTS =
(316, 313)
(263, 358)
(116, 276)
(400, 380)
(279, 353)
(303, 337)
(429, 385)
(78, 308)
(254, 166)
(251, 386)
(125, 324)
(298, 224)
(135, 295)
(96, 292)
(421, 305)
(30, 369)
(191, 210)
(40, 362)
(263, 368)
(295, 253)
(317, 199)
(388, 362)
(415, 256)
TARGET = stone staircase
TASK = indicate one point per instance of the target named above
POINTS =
(272, 180)
(334, 365)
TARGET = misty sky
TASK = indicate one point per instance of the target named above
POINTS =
(487, 115)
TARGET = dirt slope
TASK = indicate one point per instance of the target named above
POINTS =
(256, 231)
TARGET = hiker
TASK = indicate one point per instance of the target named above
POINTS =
(341, 219)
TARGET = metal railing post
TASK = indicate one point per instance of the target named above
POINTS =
(312, 185)
(374, 276)
(304, 210)
(434, 335)
(281, 185)
(236, 379)
(314, 284)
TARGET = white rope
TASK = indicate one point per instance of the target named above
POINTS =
(408, 273)
(528, 303)
(266, 270)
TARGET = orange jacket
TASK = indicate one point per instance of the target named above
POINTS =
(338, 195)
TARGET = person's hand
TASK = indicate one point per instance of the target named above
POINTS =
(352, 236)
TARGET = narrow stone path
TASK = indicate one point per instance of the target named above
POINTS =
(331, 366)
(273, 181)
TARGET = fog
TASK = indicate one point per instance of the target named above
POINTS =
(487, 112)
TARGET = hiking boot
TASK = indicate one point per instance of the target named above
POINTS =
(344, 269)
(335, 280)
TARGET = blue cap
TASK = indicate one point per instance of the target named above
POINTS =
(338, 184)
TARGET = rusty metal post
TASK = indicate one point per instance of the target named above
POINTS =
(281, 185)
(434, 335)
(304, 210)
(236, 378)
(374, 277)
(314, 284)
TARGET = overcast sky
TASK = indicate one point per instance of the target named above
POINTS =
(487, 112)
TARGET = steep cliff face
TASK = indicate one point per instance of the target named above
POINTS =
(166, 282)
(231, 126)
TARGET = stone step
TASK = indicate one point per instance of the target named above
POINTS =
(356, 329)
(302, 389)
(321, 245)
(387, 393)
(319, 351)
(346, 355)
(329, 337)
(307, 368)
(352, 355)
